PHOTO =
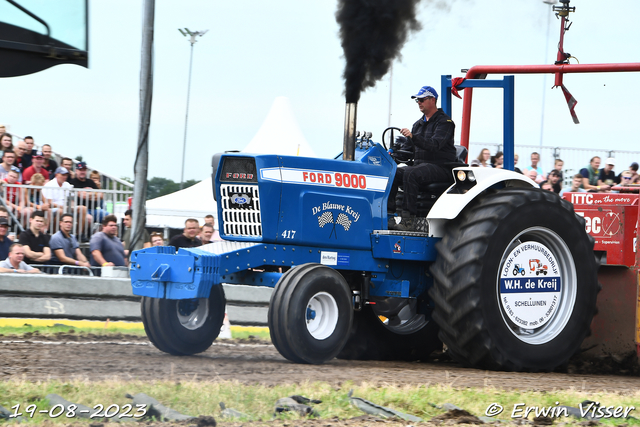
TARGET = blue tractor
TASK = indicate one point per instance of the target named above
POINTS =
(346, 286)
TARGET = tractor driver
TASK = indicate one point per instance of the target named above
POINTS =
(432, 139)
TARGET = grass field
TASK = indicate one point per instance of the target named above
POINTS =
(257, 401)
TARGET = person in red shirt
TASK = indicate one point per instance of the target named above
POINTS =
(36, 167)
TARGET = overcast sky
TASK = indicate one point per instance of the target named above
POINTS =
(256, 50)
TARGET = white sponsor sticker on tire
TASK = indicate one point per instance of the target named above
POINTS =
(530, 285)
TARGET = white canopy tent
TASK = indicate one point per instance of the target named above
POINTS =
(279, 134)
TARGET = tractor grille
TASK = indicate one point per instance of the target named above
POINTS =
(241, 210)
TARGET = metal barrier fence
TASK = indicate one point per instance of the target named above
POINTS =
(87, 206)
(574, 158)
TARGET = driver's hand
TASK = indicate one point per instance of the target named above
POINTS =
(406, 132)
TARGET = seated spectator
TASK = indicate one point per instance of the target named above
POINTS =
(95, 177)
(64, 245)
(485, 158)
(188, 238)
(206, 231)
(590, 176)
(90, 200)
(6, 142)
(157, 239)
(498, 160)
(475, 163)
(546, 185)
(555, 180)
(531, 174)
(5, 241)
(606, 175)
(575, 185)
(49, 164)
(23, 160)
(209, 219)
(515, 163)
(126, 238)
(625, 178)
(67, 163)
(35, 242)
(5, 214)
(105, 247)
(14, 263)
(8, 160)
(37, 166)
(36, 200)
(56, 193)
(30, 143)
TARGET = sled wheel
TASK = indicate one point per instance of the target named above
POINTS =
(184, 327)
(370, 339)
(310, 314)
(490, 319)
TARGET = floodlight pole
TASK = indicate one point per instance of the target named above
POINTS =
(192, 39)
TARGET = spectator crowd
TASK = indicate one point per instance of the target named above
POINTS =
(591, 178)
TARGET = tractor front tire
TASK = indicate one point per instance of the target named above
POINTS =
(184, 327)
(310, 314)
(492, 319)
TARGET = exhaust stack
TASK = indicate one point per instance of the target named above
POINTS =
(349, 144)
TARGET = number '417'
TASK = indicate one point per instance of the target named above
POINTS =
(288, 234)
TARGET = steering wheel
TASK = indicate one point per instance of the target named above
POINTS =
(391, 128)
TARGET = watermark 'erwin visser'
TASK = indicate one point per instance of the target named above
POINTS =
(590, 409)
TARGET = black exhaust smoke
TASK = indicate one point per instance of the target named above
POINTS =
(373, 33)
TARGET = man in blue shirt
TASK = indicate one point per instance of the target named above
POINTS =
(64, 245)
(5, 242)
(106, 249)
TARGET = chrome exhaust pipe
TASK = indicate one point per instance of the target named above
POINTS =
(349, 144)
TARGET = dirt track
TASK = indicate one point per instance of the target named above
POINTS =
(127, 357)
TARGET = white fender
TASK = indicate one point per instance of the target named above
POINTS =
(450, 204)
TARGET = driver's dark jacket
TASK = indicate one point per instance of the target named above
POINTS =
(433, 139)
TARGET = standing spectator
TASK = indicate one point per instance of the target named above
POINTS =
(64, 245)
(14, 263)
(105, 247)
(8, 160)
(590, 176)
(209, 219)
(5, 241)
(575, 185)
(6, 142)
(14, 196)
(635, 178)
(485, 158)
(49, 164)
(30, 142)
(157, 239)
(515, 163)
(37, 166)
(555, 181)
(23, 160)
(126, 238)
(558, 164)
(498, 160)
(188, 238)
(3, 129)
(36, 243)
(91, 200)
(606, 175)
(206, 232)
(67, 163)
(535, 159)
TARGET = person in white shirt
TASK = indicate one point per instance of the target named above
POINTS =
(56, 192)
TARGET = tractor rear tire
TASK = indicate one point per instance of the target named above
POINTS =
(310, 314)
(370, 339)
(493, 320)
(184, 327)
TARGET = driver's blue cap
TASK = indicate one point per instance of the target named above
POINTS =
(426, 91)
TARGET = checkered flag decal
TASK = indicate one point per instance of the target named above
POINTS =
(344, 221)
(325, 218)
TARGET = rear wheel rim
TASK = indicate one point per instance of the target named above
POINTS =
(560, 311)
(192, 314)
(321, 315)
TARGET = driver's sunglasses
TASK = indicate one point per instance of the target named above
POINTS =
(420, 100)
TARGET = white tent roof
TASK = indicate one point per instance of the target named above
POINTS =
(173, 209)
(279, 134)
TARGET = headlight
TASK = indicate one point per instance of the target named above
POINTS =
(462, 175)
